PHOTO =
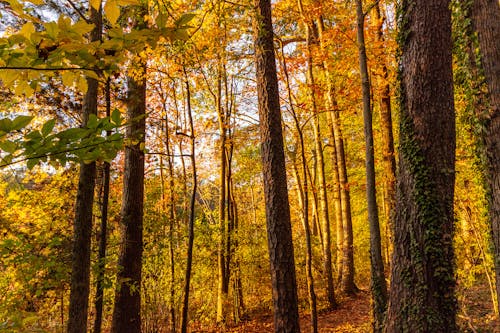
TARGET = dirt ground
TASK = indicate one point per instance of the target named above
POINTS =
(475, 315)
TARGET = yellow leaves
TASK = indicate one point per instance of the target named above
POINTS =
(23, 88)
(81, 84)
(112, 10)
(96, 4)
(82, 27)
(27, 30)
(9, 76)
(69, 78)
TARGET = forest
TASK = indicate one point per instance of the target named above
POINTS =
(249, 166)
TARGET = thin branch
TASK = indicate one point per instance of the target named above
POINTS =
(79, 12)
(55, 153)
(51, 68)
(370, 8)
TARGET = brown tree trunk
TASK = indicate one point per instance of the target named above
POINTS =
(345, 237)
(422, 284)
(80, 268)
(103, 232)
(389, 158)
(318, 151)
(486, 22)
(377, 284)
(127, 311)
(279, 231)
(189, 256)
(303, 196)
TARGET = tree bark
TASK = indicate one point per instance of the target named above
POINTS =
(486, 22)
(422, 284)
(303, 196)
(80, 269)
(345, 236)
(318, 151)
(127, 311)
(279, 232)
(389, 158)
(103, 232)
(189, 256)
(377, 284)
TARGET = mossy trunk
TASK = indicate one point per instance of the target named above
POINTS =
(422, 297)
(486, 22)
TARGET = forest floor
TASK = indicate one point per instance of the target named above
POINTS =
(475, 315)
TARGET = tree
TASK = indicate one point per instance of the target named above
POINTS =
(80, 273)
(192, 201)
(486, 22)
(127, 310)
(422, 284)
(377, 284)
(279, 233)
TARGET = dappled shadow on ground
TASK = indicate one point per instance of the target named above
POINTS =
(475, 315)
(352, 315)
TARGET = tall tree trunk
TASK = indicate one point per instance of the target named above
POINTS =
(377, 284)
(337, 203)
(346, 271)
(486, 21)
(422, 284)
(318, 150)
(103, 232)
(222, 286)
(80, 268)
(279, 231)
(127, 311)
(189, 256)
(389, 158)
(303, 196)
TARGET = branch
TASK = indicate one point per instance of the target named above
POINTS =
(52, 68)
(55, 153)
(79, 12)
(370, 8)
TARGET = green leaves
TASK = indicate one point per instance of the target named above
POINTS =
(73, 144)
(112, 11)
(8, 125)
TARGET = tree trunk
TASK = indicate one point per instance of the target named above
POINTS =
(80, 269)
(189, 256)
(127, 311)
(303, 196)
(279, 231)
(486, 21)
(318, 151)
(222, 285)
(103, 232)
(377, 284)
(389, 158)
(422, 284)
(345, 237)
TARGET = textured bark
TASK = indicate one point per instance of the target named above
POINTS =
(303, 196)
(103, 232)
(422, 284)
(486, 22)
(192, 201)
(80, 269)
(320, 167)
(126, 314)
(279, 233)
(377, 284)
(389, 158)
(344, 225)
